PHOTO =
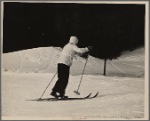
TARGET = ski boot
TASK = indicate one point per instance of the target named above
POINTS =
(61, 97)
(55, 94)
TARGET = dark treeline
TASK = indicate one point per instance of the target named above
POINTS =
(110, 28)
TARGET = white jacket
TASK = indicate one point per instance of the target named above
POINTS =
(68, 52)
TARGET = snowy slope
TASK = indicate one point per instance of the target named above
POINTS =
(44, 59)
(26, 74)
(119, 98)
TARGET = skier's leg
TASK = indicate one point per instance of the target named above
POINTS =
(56, 86)
(65, 78)
(61, 84)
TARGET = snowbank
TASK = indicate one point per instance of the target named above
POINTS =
(44, 60)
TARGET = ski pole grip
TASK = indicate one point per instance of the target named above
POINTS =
(90, 48)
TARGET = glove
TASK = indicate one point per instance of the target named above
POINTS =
(85, 55)
(90, 48)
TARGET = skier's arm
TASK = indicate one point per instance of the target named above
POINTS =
(80, 50)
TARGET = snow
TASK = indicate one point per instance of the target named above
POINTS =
(44, 60)
(26, 74)
(119, 97)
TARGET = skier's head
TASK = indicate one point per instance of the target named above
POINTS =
(73, 40)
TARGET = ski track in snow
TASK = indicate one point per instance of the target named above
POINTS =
(119, 97)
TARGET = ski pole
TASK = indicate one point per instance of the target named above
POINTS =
(77, 91)
(48, 86)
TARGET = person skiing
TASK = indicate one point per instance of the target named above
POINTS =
(63, 66)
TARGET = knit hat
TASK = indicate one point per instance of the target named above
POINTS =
(73, 40)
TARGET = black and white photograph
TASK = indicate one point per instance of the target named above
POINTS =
(74, 60)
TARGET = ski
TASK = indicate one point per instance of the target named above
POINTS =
(94, 96)
(48, 99)
(71, 99)
(55, 99)
(66, 99)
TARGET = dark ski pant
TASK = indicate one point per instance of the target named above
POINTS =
(63, 76)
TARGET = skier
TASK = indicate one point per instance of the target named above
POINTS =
(64, 63)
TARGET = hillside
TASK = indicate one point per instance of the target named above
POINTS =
(44, 60)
